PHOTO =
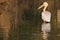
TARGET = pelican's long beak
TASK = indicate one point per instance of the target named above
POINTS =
(40, 6)
(45, 4)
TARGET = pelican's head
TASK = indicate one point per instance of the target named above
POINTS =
(45, 4)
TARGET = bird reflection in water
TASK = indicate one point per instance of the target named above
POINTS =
(45, 30)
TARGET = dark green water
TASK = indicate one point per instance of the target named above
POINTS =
(41, 31)
(29, 31)
(44, 31)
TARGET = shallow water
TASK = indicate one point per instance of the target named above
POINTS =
(29, 31)
(42, 31)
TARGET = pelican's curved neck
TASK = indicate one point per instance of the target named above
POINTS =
(44, 9)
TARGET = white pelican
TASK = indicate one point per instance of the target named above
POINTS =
(46, 15)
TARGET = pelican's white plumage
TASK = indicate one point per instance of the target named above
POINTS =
(46, 16)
